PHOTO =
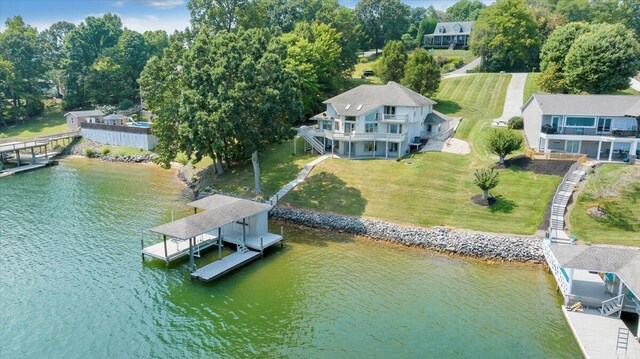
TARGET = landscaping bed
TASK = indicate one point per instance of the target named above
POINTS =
(544, 167)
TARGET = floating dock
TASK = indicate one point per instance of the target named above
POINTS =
(224, 219)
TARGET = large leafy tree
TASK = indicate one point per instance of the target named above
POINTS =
(156, 41)
(575, 10)
(314, 51)
(6, 81)
(464, 10)
(506, 37)
(393, 61)
(83, 46)
(602, 60)
(52, 42)
(422, 73)
(220, 14)
(25, 68)
(425, 27)
(557, 46)
(383, 20)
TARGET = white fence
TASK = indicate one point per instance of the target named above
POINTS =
(117, 138)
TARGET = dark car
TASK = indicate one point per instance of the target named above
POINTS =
(368, 73)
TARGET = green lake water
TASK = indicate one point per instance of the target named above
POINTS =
(73, 285)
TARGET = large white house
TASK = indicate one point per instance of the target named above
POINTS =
(604, 127)
(377, 121)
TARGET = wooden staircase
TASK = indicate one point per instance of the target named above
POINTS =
(612, 307)
(303, 131)
(561, 200)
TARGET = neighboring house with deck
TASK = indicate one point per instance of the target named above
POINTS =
(604, 127)
(377, 121)
(450, 34)
(76, 118)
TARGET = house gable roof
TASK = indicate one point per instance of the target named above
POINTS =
(593, 105)
(115, 116)
(89, 113)
(365, 98)
(436, 117)
(453, 28)
(623, 261)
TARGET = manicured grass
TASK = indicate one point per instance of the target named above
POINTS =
(466, 55)
(436, 188)
(278, 166)
(478, 99)
(530, 87)
(621, 225)
(50, 123)
(357, 79)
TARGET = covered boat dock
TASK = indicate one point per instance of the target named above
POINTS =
(223, 219)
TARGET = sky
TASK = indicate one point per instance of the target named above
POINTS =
(138, 15)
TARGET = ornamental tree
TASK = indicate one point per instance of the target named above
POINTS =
(486, 179)
(504, 142)
(393, 61)
(422, 73)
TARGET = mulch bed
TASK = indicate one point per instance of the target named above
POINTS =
(477, 199)
(545, 167)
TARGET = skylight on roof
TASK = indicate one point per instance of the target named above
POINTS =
(359, 108)
(348, 106)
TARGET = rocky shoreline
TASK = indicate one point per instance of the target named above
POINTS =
(80, 149)
(469, 244)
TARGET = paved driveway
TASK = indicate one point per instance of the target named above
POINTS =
(513, 100)
(463, 70)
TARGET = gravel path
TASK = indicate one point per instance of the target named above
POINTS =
(469, 244)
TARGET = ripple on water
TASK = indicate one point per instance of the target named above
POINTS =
(73, 284)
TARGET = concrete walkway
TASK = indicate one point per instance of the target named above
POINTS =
(513, 100)
(301, 177)
(463, 70)
(635, 84)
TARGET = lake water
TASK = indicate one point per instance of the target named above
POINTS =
(72, 284)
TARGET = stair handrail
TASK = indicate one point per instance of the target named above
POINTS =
(564, 180)
(615, 300)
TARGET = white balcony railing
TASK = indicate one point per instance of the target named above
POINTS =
(366, 136)
(395, 118)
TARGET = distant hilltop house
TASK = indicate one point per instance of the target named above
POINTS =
(114, 129)
(604, 127)
(450, 34)
(377, 121)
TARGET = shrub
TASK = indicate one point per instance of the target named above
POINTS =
(88, 152)
(456, 61)
(3, 135)
(485, 179)
(502, 142)
(442, 60)
(105, 151)
(448, 67)
(363, 60)
(515, 123)
(182, 158)
(125, 104)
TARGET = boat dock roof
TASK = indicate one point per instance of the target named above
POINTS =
(220, 212)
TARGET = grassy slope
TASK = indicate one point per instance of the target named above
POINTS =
(435, 189)
(278, 166)
(50, 123)
(620, 227)
(530, 86)
(466, 55)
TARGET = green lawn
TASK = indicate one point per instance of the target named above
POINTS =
(530, 86)
(278, 166)
(466, 55)
(621, 226)
(435, 188)
(50, 123)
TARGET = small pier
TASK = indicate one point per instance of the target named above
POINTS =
(223, 220)
(22, 156)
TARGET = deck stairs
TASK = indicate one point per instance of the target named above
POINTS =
(303, 131)
(612, 307)
(561, 199)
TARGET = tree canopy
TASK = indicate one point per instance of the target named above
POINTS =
(382, 20)
(506, 37)
(464, 10)
(393, 61)
(503, 142)
(422, 73)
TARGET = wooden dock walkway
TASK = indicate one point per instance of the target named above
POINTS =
(11, 148)
(225, 265)
(597, 336)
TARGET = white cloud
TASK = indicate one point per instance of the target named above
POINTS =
(153, 22)
(163, 4)
(118, 4)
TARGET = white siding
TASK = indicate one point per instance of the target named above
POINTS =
(137, 140)
(532, 116)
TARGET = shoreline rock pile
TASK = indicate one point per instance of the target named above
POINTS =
(469, 244)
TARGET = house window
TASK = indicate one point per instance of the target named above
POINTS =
(337, 126)
(429, 127)
(389, 110)
(604, 124)
(394, 128)
(326, 125)
(370, 127)
(580, 122)
(350, 118)
(572, 146)
(369, 146)
(393, 147)
(71, 117)
(372, 117)
(555, 121)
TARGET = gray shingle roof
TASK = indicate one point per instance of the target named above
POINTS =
(369, 97)
(634, 111)
(115, 116)
(220, 210)
(624, 261)
(89, 113)
(595, 105)
(438, 117)
(450, 28)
